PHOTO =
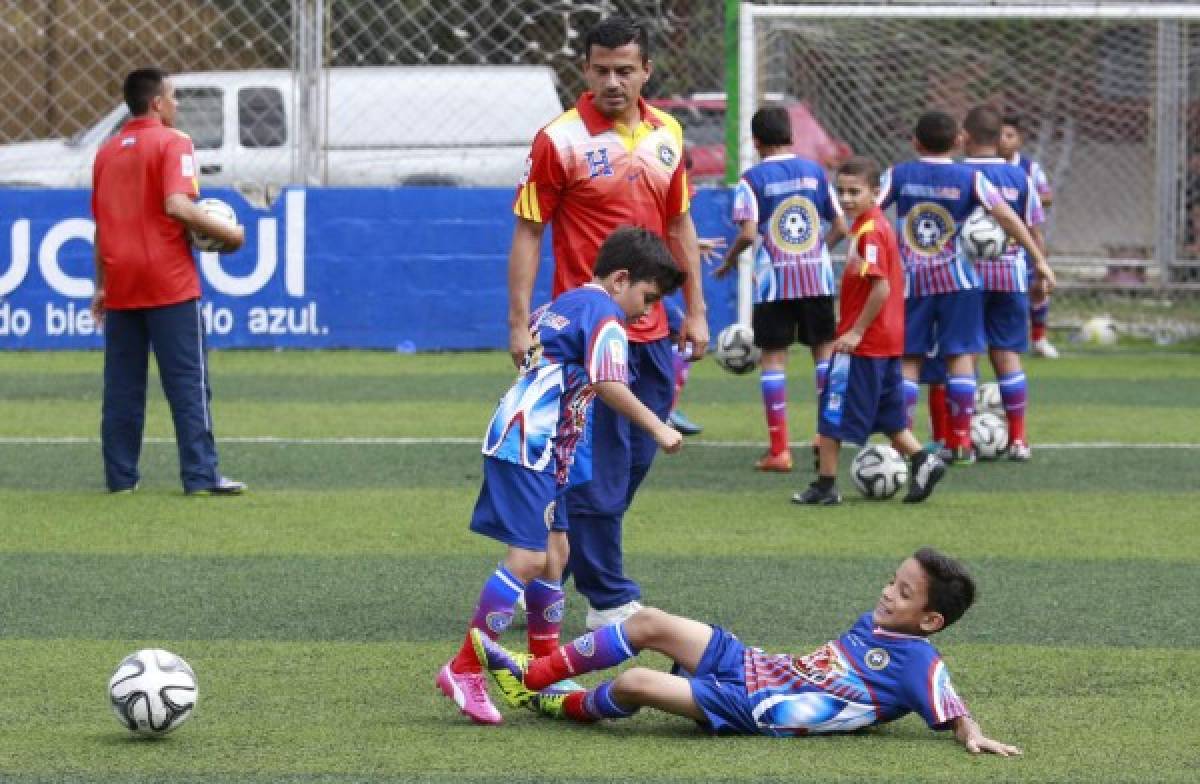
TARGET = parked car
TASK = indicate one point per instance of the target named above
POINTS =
(403, 125)
(702, 116)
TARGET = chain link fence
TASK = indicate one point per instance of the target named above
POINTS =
(1088, 88)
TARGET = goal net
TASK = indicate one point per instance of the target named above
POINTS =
(1110, 96)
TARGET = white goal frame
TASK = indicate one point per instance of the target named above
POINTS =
(1169, 152)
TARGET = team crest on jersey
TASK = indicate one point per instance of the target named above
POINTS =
(586, 645)
(498, 621)
(877, 658)
(795, 225)
(928, 228)
(554, 613)
(666, 154)
(548, 514)
(598, 165)
(555, 320)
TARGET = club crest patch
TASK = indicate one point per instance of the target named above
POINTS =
(928, 228)
(877, 658)
(554, 613)
(498, 621)
(666, 154)
(586, 645)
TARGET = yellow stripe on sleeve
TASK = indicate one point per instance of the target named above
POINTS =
(535, 209)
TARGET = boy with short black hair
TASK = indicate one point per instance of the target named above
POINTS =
(786, 200)
(865, 391)
(934, 196)
(578, 351)
(1007, 277)
(881, 669)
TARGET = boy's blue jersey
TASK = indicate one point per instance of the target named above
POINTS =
(1041, 183)
(578, 340)
(791, 201)
(933, 198)
(867, 676)
(1009, 271)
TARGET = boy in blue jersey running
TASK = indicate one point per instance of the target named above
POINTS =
(1006, 277)
(881, 669)
(536, 446)
(943, 303)
(786, 201)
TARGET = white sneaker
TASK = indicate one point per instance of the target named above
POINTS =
(1042, 347)
(598, 619)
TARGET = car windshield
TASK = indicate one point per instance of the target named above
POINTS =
(701, 127)
(94, 134)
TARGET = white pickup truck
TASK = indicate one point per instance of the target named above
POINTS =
(401, 125)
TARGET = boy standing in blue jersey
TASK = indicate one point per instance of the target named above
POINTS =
(1006, 277)
(881, 669)
(1012, 138)
(933, 197)
(786, 200)
(536, 445)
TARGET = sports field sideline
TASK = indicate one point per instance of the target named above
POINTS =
(316, 609)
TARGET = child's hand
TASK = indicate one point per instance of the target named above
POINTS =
(670, 439)
(979, 743)
(847, 343)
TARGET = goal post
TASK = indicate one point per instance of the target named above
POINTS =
(1110, 94)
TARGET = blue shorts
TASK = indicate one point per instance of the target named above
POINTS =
(933, 368)
(872, 401)
(719, 686)
(953, 322)
(1006, 320)
(517, 506)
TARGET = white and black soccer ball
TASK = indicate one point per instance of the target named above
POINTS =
(989, 435)
(988, 399)
(218, 209)
(981, 236)
(878, 471)
(735, 350)
(1099, 331)
(152, 692)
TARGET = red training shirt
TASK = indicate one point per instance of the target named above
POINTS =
(588, 176)
(873, 254)
(146, 256)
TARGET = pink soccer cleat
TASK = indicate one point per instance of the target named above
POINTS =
(469, 692)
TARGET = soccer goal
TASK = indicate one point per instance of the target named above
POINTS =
(1110, 95)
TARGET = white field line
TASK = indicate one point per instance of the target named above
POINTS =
(463, 441)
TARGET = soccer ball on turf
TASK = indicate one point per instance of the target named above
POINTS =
(981, 236)
(878, 471)
(988, 399)
(1099, 330)
(735, 350)
(989, 434)
(218, 209)
(152, 692)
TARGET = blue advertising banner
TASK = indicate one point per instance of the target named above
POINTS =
(399, 269)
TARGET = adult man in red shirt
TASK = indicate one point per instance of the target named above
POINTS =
(610, 161)
(865, 391)
(148, 289)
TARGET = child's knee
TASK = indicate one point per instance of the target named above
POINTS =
(632, 685)
(643, 626)
(525, 564)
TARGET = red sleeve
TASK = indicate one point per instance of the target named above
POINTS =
(179, 168)
(871, 255)
(679, 196)
(542, 186)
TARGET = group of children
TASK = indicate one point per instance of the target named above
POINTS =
(536, 446)
(913, 301)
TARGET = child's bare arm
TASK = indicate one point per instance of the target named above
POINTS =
(619, 398)
(968, 733)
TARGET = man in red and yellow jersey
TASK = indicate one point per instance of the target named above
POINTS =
(610, 161)
(148, 289)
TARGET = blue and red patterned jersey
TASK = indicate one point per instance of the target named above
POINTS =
(933, 198)
(866, 676)
(1041, 183)
(578, 340)
(790, 199)
(1009, 271)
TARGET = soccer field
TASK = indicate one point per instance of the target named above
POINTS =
(316, 609)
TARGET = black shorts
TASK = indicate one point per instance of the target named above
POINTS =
(779, 324)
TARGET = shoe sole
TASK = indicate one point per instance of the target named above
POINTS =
(450, 689)
(482, 657)
(938, 474)
(208, 493)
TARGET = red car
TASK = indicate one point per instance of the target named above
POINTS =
(702, 116)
